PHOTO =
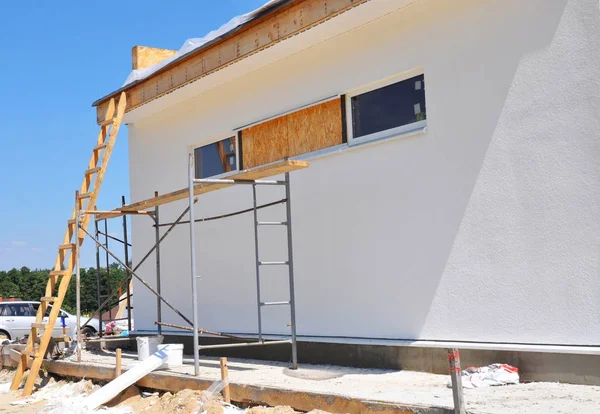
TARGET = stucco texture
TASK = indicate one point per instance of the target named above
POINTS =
(485, 227)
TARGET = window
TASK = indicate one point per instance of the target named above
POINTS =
(216, 158)
(387, 110)
(17, 309)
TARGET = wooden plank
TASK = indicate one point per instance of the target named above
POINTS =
(251, 174)
(225, 378)
(310, 129)
(257, 35)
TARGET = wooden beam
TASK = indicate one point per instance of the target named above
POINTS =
(144, 56)
(261, 33)
(251, 174)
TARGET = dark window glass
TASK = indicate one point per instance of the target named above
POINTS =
(389, 107)
(216, 158)
(20, 309)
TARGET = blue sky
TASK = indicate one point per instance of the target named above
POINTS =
(56, 59)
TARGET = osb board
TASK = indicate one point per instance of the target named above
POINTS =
(307, 130)
(248, 174)
(143, 56)
(264, 32)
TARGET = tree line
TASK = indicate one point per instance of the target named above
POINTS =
(28, 284)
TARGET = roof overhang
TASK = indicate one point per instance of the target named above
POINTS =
(237, 52)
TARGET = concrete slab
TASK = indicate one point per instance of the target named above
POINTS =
(405, 390)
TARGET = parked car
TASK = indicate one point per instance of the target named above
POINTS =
(16, 318)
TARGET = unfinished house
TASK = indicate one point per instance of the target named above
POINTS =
(443, 162)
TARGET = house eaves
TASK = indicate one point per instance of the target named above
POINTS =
(282, 20)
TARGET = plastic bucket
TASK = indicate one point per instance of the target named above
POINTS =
(147, 345)
(174, 355)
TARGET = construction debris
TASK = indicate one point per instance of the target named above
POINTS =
(492, 375)
(113, 388)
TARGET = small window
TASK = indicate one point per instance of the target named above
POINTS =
(388, 110)
(217, 158)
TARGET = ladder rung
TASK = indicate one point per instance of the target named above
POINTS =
(273, 263)
(85, 195)
(274, 303)
(100, 147)
(38, 325)
(48, 299)
(69, 246)
(71, 222)
(272, 223)
(108, 121)
(32, 353)
(93, 170)
(58, 273)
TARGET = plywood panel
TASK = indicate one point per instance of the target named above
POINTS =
(298, 133)
(252, 38)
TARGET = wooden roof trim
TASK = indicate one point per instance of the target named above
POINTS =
(274, 25)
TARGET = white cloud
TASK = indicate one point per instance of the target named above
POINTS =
(18, 243)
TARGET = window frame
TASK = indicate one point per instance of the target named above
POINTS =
(213, 140)
(407, 129)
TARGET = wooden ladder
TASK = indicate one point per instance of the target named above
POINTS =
(66, 258)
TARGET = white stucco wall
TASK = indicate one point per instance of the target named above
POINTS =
(484, 228)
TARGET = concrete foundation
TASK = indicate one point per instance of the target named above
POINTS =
(533, 366)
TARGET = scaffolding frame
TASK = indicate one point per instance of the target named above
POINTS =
(126, 245)
(193, 184)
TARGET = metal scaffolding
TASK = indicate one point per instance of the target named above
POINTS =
(289, 263)
(131, 272)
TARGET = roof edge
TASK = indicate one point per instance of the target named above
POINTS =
(260, 16)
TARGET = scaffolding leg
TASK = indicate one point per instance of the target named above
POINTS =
(257, 264)
(107, 268)
(100, 306)
(191, 177)
(288, 210)
(157, 241)
(127, 275)
(78, 276)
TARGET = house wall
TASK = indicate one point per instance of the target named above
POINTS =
(485, 227)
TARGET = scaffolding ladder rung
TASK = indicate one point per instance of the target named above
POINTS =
(48, 298)
(85, 195)
(286, 302)
(100, 147)
(272, 223)
(92, 171)
(274, 263)
(59, 273)
(37, 325)
(107, 122)
(69, 246)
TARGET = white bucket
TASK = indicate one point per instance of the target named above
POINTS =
(147, 345)
(174, 355)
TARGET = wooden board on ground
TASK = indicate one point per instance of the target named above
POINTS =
(257, 173)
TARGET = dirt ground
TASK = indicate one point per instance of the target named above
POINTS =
(58, 397)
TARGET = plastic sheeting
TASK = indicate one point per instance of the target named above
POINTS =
(195, 43)
(492, 375)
